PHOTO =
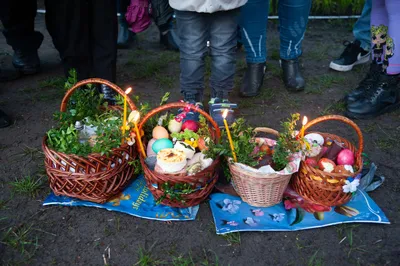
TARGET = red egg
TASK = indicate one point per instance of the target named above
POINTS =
(345, 156)
(311, 162)
(190, 125)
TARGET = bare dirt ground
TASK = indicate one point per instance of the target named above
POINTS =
(35, 235)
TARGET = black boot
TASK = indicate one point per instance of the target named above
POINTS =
(366, 84)
(253, 79)
(4, 119)
(125, 36)
(109, 94)
(291, 75)
(26, 62)
(382, 98)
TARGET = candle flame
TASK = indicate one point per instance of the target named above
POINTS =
(128, 90)
(305, 120)
(225, 113)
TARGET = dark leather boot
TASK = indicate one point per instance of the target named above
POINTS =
(291, 75)
(125, 36)
(366, 84)
(26, 62)
(109, 94)
(382, 98)
(253, 79)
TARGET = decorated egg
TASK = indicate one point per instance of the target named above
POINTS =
(149, 150)
(314, 138)
(189, 150)
(160, 133)
(174, 126)
(161, 144)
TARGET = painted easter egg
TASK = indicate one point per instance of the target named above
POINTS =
(160, 133)
(161, 144)
(149, 149)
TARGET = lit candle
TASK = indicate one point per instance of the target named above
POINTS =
(229, 135)
(305, 120)
(135, 119)
(125, 113)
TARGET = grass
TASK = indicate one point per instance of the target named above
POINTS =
(28, 185)
(384, 144)
(182, 260)
(346, 232)
(165, 81)
(56, 82)
(314, 260)
(322, 82)
(20, 239)
(232, 238)
(146, 258)
(32, 152)
(337, 107)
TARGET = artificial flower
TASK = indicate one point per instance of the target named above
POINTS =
(351, 185)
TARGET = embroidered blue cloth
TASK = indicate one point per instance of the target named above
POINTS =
(135, 200)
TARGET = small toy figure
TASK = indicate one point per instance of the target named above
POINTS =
(379, 36)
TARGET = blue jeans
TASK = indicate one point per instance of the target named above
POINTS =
(362, 28)
(194, 30)
(293, 18)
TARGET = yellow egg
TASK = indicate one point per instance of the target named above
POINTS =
(160, 133)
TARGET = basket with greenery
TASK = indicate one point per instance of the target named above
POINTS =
(264, 166)
(94, 167)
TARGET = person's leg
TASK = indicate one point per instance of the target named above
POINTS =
(253, 20)
(125, 36)
(103, 42)
(193, 33)
(392, 52)
(20, 34)
(67, 23)
(162, 14)
(358, 51)
(223, 40)
(383, 96)
(293, 19)
(362, 28)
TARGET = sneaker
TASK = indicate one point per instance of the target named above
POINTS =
(352, 55)
(216, 109)
(382, 98)
(192, 115)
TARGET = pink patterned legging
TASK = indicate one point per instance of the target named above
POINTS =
(385, 33)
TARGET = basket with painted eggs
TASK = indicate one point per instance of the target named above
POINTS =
(179, 171)
(330, 171)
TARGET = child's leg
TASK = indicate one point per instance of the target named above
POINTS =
(223, 36)
(193, 33)
(393, 46)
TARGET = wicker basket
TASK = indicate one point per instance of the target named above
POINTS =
(327, 188)
(94, 178)
(202, 182)
(260, 190)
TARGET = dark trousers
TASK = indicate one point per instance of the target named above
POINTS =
(85, 34)
(19, 22)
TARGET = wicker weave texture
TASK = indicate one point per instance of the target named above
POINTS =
(322, 187)
(96, 177)
(260, 190)
(202, 182)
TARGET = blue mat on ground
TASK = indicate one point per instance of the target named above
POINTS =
(294, 213)
(135, 200)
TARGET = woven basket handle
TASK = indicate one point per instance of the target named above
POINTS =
(266, 130)
(68, 94)
(344, 120)
(168, 106)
